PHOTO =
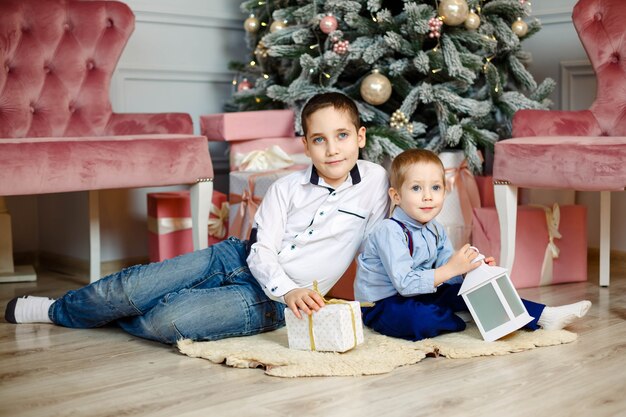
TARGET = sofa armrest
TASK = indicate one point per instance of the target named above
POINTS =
(149, 123)
(555, 123)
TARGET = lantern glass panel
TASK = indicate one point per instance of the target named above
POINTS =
(511, 297)
(487, 307)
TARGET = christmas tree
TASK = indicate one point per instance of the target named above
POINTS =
(428, 74)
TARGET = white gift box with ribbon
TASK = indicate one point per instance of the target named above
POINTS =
(334, 328)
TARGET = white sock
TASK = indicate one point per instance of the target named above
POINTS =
(556, 318)
(31, 309)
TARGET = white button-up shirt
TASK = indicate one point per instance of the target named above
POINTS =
(307, 231)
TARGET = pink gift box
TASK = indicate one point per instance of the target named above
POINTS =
(485, 189)
(169, 223)
(531, 242)
(247, 125)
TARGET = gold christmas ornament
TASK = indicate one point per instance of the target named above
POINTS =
(251, 24)
(453, 12)
(375, 88)
(399, 120)
(261, 50)
(278, 25)
(473, 21)
(519, 27)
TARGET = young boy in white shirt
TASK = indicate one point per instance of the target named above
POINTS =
(309, 227)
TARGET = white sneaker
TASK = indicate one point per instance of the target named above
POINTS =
(28, 309)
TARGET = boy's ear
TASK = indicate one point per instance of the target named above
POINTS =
(361, 136)
(306, 146)
(394, 196)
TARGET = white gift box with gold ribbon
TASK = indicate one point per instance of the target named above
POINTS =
(336, 327)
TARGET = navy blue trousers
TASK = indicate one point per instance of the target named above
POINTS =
(427, 315)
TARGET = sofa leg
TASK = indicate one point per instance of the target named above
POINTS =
(605, 238)
(506, 205)
(201, 194)
(94, 236)
(8, 271)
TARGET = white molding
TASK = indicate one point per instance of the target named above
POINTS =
(570, 70)
(554, 16)
(129, 73)
(183, 19)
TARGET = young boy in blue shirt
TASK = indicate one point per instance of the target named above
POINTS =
(410, 270)
(310, 226)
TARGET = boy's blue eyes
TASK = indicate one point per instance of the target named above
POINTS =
(320, 139)
(419, 188)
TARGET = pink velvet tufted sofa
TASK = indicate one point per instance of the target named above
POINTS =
(581, 150)
(58, 132)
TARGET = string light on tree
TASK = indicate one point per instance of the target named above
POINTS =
(375, 88)
(278, 25)
(251, 24)
(519, 27)
(328, 23)
(473, 20)
(453, 12)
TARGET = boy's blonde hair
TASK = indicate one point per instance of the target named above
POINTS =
(403, 161)
(338, 101)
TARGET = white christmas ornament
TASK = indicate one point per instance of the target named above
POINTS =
(375, 88)
(453, 12)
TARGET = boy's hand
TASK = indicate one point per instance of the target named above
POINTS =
(303, 299)
(463, 261)
(491, 261)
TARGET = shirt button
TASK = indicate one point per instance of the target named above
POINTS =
(334, 193)
(293, 247)
(310, 232)
(321, 213)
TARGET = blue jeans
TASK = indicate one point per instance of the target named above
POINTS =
(204, 295)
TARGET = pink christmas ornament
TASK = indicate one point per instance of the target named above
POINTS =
(341, 47)
(244, 85)
(434, 25)
(328, 23)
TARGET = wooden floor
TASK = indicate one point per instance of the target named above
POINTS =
(53, 371)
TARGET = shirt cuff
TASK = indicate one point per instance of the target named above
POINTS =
(278, 287)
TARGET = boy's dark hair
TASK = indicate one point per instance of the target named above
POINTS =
(338, 101)
(406, 159)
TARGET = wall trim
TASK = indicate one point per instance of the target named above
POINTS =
(570, 70)
(554, 16)
(126, 73)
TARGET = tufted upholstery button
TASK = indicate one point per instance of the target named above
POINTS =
(614, 57)
(90, 65)
(7, 68)
(66, 27)
(47, 69)
(597, 17)
(71, 108)
(32, 109)
(109, 22)
(25, 29)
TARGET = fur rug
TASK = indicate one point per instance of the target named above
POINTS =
(377, 355)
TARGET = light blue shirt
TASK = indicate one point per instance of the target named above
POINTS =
(385, 266)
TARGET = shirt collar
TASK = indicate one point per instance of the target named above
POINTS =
(314, 178)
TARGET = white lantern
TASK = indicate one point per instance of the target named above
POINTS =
(493, 302)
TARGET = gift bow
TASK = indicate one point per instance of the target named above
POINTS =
(165, 225)
(262, 160)
(553, 218)
(334, 301)
(469, 197)
(217, 224)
